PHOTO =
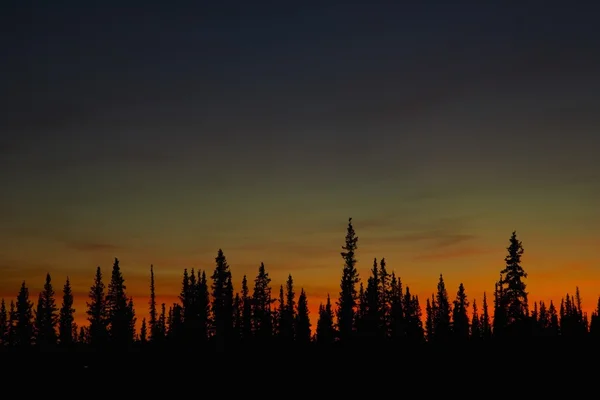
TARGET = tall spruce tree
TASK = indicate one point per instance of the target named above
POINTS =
(46, 318)
(222, 293)
(246, 311)
(460, 318)
(119, 312)
(486, 326)
(514, 296)
(66, 326)
(325, 329)
(23, 316)
(475, 322)
(350, 278)
(3, 324)
(153, 322)
(262, 315)
(302, 320)
(97, 312)
(441, 323)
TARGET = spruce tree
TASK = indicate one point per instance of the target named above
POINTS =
(143, 332)
(97, 312)
(397, 317)
(119, 314)
(262, 316)
(46, 316)
(460, 318)
(302, 320)
(441, 323)
(66, 325)
(348, 295)
(246, 311)
(24, 328)
(514, 296)
(325, 329)
(475, 323)
(203, 308)
(3, 324)
(373, 321)
(222, 293)
(594, 323)
(153, 322)
(289, 309)
(486, 326)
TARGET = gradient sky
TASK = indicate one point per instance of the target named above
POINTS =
(159, 135)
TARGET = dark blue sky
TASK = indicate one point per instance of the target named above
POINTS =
(177, 126)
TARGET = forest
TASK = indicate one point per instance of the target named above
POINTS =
(210, 315)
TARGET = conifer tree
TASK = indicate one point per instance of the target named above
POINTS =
(12, 322)
(413, 314)
(348, 295)
(595, 321)
(302, 320)
(67, 330)
(384, 298)
(441, 322)
(203, 306)
(325, 329)
(397, 317)
(429, 320)
(119, 313)
(289, 310)
(460, 318)
(475, 322)
(237, 316)
(553, 327)
(486, 326)
(246, 311)
(222, 306)
(514, 296)
(262, 316)
(373, 320)
(3, 324)
(143, 332)
(24, 328)
(153, 322)
(46, 317)
(97, 312)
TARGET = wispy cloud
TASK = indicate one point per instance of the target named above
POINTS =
(452, 254)
(90, 246)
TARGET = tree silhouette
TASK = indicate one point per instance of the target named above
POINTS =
(153, 322)
(246, 330)
(302, 323)
(222, 293)
(513, 295)
(460, 318)
(120, 311)
(348, 296)
(46, 316)
(143, 332)
(262, 315)
(23, 316)
(67, 330)
(3, 324)
(475, 323)
(486, 326)
(325, 329)
(97, 312)
(441, 320)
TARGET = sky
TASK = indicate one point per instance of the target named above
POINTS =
(159, 134)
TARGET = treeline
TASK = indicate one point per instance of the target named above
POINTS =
(211, 315)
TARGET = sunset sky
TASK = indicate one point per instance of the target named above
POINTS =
(159, 135)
